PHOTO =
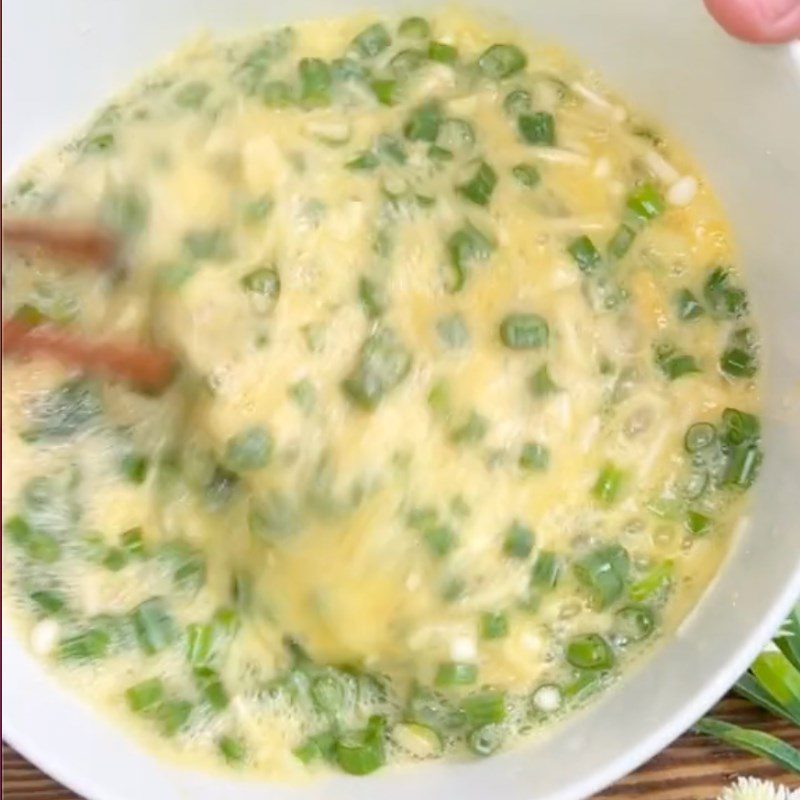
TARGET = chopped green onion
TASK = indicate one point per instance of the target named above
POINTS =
(524, 331)
(115, 559)
(472, 430)
(372, 297)
(372, 41)
(211, 688)
(589, 651)
(724, 299)
(385, 91)
(212, 244)
(134, 467)
(315, 82)
(442, 52)
(534, 457)
(423, 124)
(538, 128)
(172, 715)
(457, 135)
(696, 523)
(328, 692)
(89, 645)
(250, 449)
(546, 570)
(365, 161)
(441, 540)
(277, 94)
(518, 542)
(541, 383)
(145, 697)
(699, 436)
(414, 28)
(407, 61)
(48, 602)
(199, 644)
(452, 331)
(634, 623)
(526, 175)
(304, 395)
(621, 241)
(466, 247)
(321, 745)
(272, 516)
(361, 752)
(455, 673)
(501, 60)
(645, 202)
(192, 94)
(743, 464)
(658, 579)
(480, 186)
(383, 363)
(738, 427)
(37, 545)
(687, 306)
(265, 284)
(585, 254)
(494, 625)
(609, 483)
(153, 625)
(740, 359)
(485, 740)
(485, 708)
(604, 573)
(231, 749)
(517, 102)
(674, 364)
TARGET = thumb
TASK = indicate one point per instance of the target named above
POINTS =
(768, 21)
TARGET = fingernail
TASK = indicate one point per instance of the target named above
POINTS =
(777, 10)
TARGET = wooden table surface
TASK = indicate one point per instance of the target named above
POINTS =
(693, 768)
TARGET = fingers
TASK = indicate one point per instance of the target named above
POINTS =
(765, 21)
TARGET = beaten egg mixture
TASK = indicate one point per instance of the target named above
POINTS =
(465, 413)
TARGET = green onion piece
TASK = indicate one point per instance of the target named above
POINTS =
(439, 154)
(538, 128)
(70, 408)
(37, 545)
(372, 41)
(365, 161)
(517, 102)
(541, 383)
(385, 91)
(276, 94)
(609, 483)
(414, 28)
(604, 573)
(48, 602)
(485, 708)
(696, 523)
(361, 752)
(407, 61)
(101, 143)
(480, 186)
(304, 395)
(265, 284)
(524, 331)
(645, 202)
(250, 449)
(145, 697)
(687, 306)
(211, 688)
(391, 149)
(231, 749)
(442, 53)
(743, 464)
(590, 651)
(739, 427)
(192, 95)
(315, 82)
(724, 299)
(699, 436)
(172, 716)
(423, 124)
(621, 241)
(203, 245)
(273, 516)
(383, 364)
(526, 175)
(452, 331)
(134, 467)
(89, 645)
(674, 364)
(534, 457)
(328, 693)
(189, 569)
(518, 542)
(585, 254)
(153, 625)
(115, 559)
(485, 740)
(466, 247)
(634, 623)
(546, 570)
(458, 135)
(321, 745)
(740, 359)
(199, 644)
(455, 673)
(501, 60)
(440, 540)
(372, 297)
(472, 430)
(756, 742)
(658, 579)
(494, 625)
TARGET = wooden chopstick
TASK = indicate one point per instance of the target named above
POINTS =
(147, 368)
(67, 243)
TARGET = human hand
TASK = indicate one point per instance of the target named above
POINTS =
(765, 21)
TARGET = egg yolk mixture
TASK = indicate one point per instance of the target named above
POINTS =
(466, 407)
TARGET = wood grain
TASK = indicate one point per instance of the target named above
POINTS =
(692, 768)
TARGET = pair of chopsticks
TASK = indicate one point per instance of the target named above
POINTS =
(72, 246)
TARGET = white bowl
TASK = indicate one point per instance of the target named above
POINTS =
(738, 109)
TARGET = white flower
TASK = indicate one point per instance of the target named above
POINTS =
(756, 789)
